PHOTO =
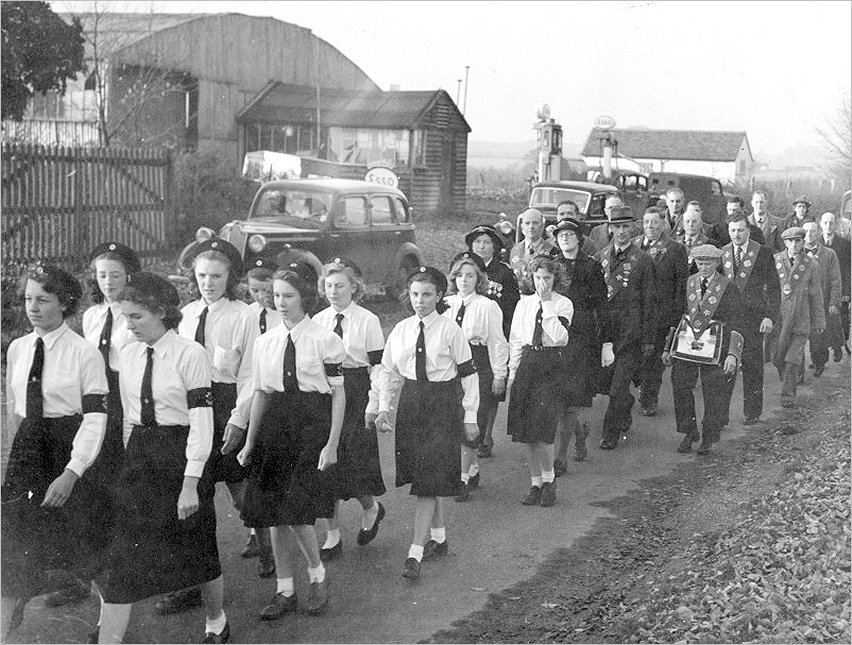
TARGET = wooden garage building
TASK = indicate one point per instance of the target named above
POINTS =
(232, 83)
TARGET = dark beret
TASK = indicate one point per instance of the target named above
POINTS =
(64, 280)
(223, 247)
(468, 255)
(439, 278)
(128, 257)
(346, 262)
(302, 269)
(262, 263)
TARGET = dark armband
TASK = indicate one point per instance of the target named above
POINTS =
(466, 369)
(94, 403)
(333, 369)
(375, 356)
(200, 397)
(564, 322)
(667, 346)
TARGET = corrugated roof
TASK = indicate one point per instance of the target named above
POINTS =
(116, 30)
(280, 102)
(692, 145)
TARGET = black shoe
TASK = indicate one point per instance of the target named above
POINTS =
(559, 467)
(224, 637)
(251, 549)
(474, 481)
(279, 607)
(434, 550)
(608, 444)
(74, 592)
(318, 598)
(411, 569)
(548, 494)
(464, 493)
(704, 448)
(750, 421)
(365, 536)
(94, 635)
(819, 369)
(332, 552)
(650, 410)
(533, 498)
(484, 452)
(178, 601)
(686, 443)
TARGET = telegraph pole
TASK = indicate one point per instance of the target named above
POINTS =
(466, 71)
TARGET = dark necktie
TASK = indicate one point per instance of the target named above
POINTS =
(199, 331)
(739, 257)
(460, 315)
(106, 338)
(420, 356)
(338, 325)
(148, 418)
(703, 286)
(35, 398)
(792, 261)
(263, 320)
(291, 382)
(538, 330)
(812, 252)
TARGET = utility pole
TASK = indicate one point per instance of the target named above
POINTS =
(466, 71)
(458, 91)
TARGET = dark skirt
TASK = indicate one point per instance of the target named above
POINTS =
(285, 487)
(583, 364)
(429, 427)
(358, 471)
(539, 394)
(37, 539)
(219, 467)
(155, 552)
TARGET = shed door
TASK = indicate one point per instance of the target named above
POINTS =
(448, 171)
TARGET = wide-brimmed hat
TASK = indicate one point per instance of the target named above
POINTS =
(484, 229)
(802, 200)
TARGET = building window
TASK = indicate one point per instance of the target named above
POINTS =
(293, 139)
(373, 145)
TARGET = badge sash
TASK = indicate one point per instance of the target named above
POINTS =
(702, 310)
(740, 278)
(617, 275)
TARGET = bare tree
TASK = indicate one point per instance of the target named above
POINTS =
(837, 134)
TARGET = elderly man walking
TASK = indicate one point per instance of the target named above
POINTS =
(841, 246)
(829, 275)
(802, 312)
(533, 244)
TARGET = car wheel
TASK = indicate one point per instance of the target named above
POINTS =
(400, 277)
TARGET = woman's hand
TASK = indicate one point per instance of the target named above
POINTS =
(730, 365)
(370, 420)
(498, 387)
(188, 500)
(471, 431)
(60, 489)
(328, 457)
(383, 422)
(666, 358)
(234, 436)
(244, 456)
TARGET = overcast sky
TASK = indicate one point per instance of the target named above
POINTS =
(773, 69)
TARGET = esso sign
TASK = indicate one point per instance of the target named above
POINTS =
(382, 175)
(604, 123)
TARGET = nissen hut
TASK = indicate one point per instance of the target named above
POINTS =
(234, 83)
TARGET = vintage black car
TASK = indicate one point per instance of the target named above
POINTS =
(316, 220)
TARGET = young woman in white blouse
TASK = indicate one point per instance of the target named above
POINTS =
(481, 321)
(358, 471)
(166, 531)
(56, 383)
(539, 373)
(294, 429)
(262, 311)
(427, 356)
(219, 322)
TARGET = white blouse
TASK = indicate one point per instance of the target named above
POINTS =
(446, 351)
(93, 323)
(482, 321)
(73, 382)
(273, 318)
(180, 382)
(319, 358)
(555, 331)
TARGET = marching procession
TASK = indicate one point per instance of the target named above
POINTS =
(126, 430)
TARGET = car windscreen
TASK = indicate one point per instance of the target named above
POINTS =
(549, 197)
(297, 207)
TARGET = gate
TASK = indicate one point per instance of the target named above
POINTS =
(59, 202)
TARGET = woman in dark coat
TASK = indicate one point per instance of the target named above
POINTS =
(484, 241)
(584, 285)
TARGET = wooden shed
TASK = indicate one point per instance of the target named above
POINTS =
(231, 83)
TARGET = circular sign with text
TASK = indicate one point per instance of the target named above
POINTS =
(604, 123)
(382, 175)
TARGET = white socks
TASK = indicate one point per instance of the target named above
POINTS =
(285, 586)
(439, 535)
(548, 476)
(316, 574)
(536, 481)
(474, 470)
(332, 537)
(217, 625)
(415, 551)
